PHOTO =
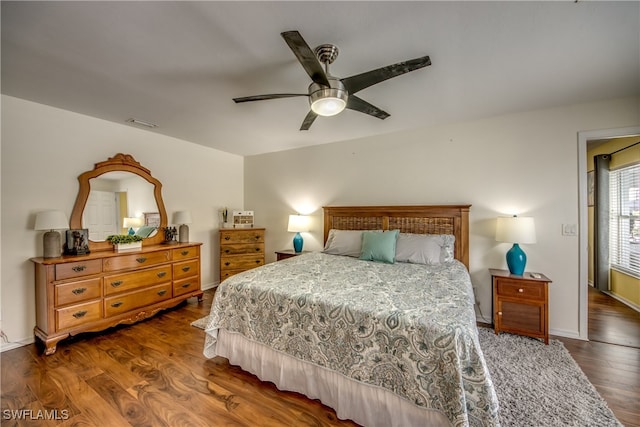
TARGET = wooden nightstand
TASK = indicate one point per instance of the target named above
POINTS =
(288, 253)
(521, 304)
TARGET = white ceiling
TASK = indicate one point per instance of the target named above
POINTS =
(179, 64)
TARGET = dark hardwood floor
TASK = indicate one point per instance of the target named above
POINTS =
(154, 374)
(611, 321)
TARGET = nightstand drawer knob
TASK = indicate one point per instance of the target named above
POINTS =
(499, 313)
(521, 290)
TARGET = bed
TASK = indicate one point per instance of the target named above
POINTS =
(386, 340)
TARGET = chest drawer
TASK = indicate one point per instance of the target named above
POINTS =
(184, 286)
(75, 292)
(130, 281)
(186, 253)
(127, 302)
(520, 289)
(186, 269)
(241, 248)
(137, 260)
(241, 236)
(241, 262)
(78, 269)
(77, 315)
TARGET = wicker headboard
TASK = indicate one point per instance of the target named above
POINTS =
(443, 219)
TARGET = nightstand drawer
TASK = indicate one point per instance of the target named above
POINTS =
(520, 289)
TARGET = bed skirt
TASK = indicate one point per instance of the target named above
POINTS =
(365, 404)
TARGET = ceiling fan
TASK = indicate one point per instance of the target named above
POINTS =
(329, 95)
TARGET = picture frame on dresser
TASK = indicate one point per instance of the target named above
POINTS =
(76, 242)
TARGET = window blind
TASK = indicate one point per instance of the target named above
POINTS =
(624, 219)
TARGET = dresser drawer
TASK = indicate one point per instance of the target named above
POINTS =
(241, 262)
(520, 289)
(75, 292)
(186, 269)
(225, 274)
(127, 302)
(77, 315)
(241, 236)
(241, 248)
(186, 253)
(78, 269)
(130, 281)
(184, 286)
(137, 260)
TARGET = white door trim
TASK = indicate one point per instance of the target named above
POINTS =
(583, 140)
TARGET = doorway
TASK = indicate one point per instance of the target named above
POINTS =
(595, 306)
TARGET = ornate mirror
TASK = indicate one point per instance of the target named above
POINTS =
(119, 188)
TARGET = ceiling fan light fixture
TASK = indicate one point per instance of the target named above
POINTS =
(328, 101)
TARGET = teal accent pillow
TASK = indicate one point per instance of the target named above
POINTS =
(379, 247)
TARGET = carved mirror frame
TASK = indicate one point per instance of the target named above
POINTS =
(121, 163)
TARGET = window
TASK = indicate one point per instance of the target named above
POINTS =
(624, 219)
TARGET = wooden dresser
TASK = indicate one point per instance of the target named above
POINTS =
(241, 249)
(102, 289)
(521, 304)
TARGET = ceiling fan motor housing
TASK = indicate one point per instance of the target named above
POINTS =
(328, 101)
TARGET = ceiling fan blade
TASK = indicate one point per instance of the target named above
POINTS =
(308, 120)
(359, 104)
(362, 81)
(269, 96)
(306, 57)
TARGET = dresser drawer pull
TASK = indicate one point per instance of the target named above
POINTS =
(162, 273)
(78, 291)
(186, 268)
(226, 251)
(141, 259)
(257, 249)
(227, 263)
(186, 285)
(79, 268)
(116, 283)
(521, 290)
(258, 261)
(116, 304)
(162, 292)
(227, 237)
(79, 314)
(184, 253)
(257, 237)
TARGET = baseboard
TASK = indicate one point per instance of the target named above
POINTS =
(567, 334)
(209, 286)
(623, 300)
(6, 346)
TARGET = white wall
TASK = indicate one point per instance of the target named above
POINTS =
(44, 149)
(525, 163)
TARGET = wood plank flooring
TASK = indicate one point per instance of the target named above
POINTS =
(154, 374)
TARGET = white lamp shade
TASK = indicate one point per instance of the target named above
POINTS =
(182, 217)
(132, 222)
(516, 229)
(51, 220)
(298, 223)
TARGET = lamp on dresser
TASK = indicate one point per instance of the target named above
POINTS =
(51, 221)
(183, 218)
(298, 224)
(517, 230)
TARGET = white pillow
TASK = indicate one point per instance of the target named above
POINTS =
(427, 249)
(344, 242)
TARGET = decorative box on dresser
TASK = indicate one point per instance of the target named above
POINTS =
(521, 303)
(241, 249)
(102, 289)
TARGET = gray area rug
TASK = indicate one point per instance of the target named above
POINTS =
(537, 385)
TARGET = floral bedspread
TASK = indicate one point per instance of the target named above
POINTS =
(409, 328)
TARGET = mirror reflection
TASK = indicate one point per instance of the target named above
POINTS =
(120, 203)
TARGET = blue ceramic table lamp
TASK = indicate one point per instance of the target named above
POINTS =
(516, 230)
(298, 224)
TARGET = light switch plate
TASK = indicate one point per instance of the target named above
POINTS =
(569, 230)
